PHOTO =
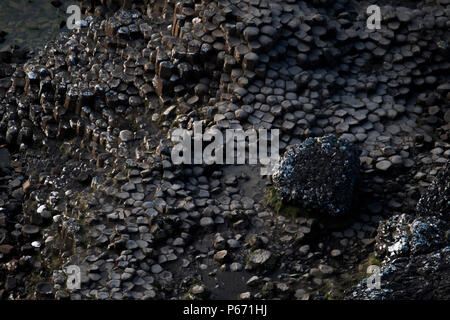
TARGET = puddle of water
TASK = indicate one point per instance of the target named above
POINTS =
(31, 23)
(228, 285)
(255, 186)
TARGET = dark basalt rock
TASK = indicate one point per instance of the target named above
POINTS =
(2, 36)
(83, 118)
(424, 276)
(436, 201)
(402, 235)
(415, 263)
(4, 158)
(319, 175)
(414, 250)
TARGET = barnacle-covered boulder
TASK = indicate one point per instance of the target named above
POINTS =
(319, 175)
(436, 200)
(414, 250)
(402, 235)
(415, 260)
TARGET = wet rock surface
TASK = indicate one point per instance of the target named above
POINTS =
(436, 200)
(415, 252)
(30, 24)
(86, 176)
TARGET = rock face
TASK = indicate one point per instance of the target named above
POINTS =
(90, 179)
(319, 175)
(415, 250)
(436, 201)
(4, 159)
(416, 260)
(2, 36)
(405, 235)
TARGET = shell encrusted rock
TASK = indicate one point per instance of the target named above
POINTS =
(319, 175)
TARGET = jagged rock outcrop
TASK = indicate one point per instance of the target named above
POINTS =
(414, 250)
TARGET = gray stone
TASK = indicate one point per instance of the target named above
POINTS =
(126, 135)
(261, 259)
